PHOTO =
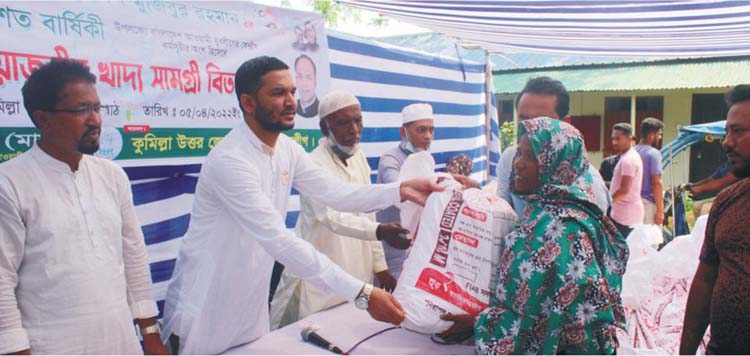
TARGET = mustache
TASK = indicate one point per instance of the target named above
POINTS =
(288, 110)
(731, 152)
(92, 130)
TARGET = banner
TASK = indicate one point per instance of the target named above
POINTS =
(165, 70)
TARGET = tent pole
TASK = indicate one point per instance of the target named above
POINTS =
(685, 172)
(633, 112)
(674, 198)
(488, 107)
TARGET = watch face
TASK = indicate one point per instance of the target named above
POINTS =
(361, 303)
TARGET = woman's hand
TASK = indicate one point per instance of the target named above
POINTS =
(462, 328)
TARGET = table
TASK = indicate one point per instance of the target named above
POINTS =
(345, 325)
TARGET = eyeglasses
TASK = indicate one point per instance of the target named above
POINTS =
(81, 111)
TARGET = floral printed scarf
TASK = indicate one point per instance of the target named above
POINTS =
(560, 273)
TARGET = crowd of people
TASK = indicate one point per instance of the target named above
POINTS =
(74, 268)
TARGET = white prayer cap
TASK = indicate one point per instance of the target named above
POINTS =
(416, 112)
(335, 101)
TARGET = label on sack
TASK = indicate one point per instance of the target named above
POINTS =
(451, 263)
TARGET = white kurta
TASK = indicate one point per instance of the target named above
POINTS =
(73, 264)
(218, 295)
(348, 239)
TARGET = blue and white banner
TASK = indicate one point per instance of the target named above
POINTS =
(162, 149)
(385, 79)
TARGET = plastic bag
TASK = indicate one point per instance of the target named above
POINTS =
(452, 262)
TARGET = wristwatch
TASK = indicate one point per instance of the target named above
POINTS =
(363, 299)
(153, 329)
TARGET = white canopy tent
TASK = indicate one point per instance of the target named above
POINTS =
(707, 28)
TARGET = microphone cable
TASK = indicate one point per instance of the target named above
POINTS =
(348, 352)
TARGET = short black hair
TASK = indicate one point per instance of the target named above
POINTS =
(548, 86)
(651, 125)
(247, 79)
(625, 128)
(738, 94)
(304, 56)
(43, 88)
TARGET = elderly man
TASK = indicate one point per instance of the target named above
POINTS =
(306, 81)
(719, 292)
(542, 96)
(348, 239)
(417, 132)
(217, 298)
(73, 264)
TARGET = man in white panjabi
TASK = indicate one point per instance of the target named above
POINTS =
(218, 296)
(73, 264)
(349, 239)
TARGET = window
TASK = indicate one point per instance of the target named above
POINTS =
(617, 109)
(505, 111)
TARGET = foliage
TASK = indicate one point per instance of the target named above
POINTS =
(334, 11)
(507, 135)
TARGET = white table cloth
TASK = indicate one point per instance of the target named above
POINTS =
(345, 325)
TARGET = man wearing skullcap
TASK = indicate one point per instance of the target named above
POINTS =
(417, 132)
(348, 239)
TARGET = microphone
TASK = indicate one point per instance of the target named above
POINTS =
(309, 335)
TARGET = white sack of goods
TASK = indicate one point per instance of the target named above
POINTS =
(453, 260)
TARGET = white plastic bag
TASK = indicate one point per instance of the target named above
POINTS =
(417, 165)
(453, 259)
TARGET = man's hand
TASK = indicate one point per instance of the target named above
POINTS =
(152, 345)
(465, 181)
(384, 307)
(659, 220)
(419, 189)
(387, 282)
(394, 234)
(462, 328)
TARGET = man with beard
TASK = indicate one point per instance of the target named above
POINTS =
(417, 132)
(73, 264)
(652, 131)
(217, 298)
(348, 239)
(720, 289)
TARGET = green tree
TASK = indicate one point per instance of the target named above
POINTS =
(507, 135)
(334, 11)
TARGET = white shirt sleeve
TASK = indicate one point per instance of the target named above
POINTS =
(503, 175)
(378, 257)
(315, 183)
(137, 274)
(242, 194)
(347, 224)
(13, 336)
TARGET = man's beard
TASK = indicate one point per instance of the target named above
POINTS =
(265, 117)
(88, 148)
(342, 151)
(744, 171)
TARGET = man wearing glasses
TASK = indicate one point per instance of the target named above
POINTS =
(73, 264)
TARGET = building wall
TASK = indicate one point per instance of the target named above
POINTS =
(677, 112)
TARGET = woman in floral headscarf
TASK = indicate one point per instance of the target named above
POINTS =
(560, 273)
